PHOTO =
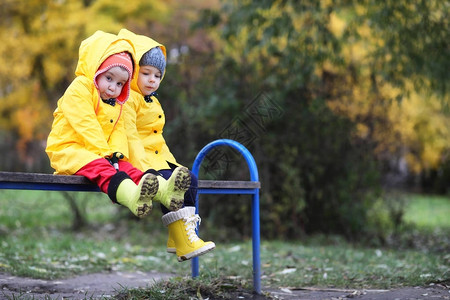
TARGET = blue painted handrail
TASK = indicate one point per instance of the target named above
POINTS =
(255, 204)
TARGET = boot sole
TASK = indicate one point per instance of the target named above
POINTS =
(148, 191)
(203, 250)
(181, 184)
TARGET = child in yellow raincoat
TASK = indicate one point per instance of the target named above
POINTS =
(145, 120)
(88, 130)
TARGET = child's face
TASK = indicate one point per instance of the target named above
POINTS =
(149, 79)
(111, 82)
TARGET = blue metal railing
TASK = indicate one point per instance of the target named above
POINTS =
(255, 203)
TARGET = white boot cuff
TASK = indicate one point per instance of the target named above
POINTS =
(173, 216)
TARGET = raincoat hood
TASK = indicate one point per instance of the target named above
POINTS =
(85, 128)
(141, 45)
(96, 49)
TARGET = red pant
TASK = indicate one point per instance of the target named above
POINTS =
(100, 172)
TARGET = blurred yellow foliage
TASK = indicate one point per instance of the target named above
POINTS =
(401, 121)
(336, 25)
(39, 52)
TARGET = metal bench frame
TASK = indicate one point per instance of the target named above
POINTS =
(251, 187)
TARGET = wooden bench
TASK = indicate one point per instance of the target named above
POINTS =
(50, 182)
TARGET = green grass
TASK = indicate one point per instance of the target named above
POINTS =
(428, 212)
(345, 266)
(36, 240)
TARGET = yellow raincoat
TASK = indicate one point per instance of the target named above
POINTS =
(144, 121)
(84, 127)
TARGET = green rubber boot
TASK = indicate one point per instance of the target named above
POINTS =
(171, 191)
(138, 198)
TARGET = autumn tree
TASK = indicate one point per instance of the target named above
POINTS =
(395, 61)
(357, 91)
(39, 49)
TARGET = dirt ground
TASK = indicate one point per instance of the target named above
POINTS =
(106, 285)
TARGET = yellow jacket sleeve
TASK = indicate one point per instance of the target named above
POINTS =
(79, 110)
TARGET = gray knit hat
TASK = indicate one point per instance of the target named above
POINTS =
(154, 57)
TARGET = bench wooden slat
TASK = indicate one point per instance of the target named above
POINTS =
(42, 178)
(228, 184)
(82, 182)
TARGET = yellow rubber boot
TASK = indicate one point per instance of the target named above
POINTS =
(138, 198)
(171, 191)
(171, 244)
(182, 225)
